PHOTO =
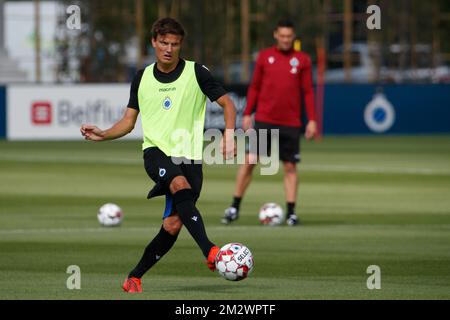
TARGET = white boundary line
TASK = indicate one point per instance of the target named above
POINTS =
(302, 167)
(366, 169)
(100, 229)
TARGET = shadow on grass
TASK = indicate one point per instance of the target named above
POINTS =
(306, 223)
(209, 288)
(303, 223)
(232, 287)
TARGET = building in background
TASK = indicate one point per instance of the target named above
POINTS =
(20, 39)
(9, 71)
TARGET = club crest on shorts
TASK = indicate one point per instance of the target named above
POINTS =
(162, 172)
(167, 103)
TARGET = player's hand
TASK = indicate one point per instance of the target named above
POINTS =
(227, 144)
(247, 123)
(311, 130)
(90, 132)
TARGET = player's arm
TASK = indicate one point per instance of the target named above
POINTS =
(215, 92)
(124, 125)
(229, 114)
(229, 111)
(253, 93)
(308, 95)
(119, 129)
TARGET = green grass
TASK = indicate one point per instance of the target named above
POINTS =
(363, 201)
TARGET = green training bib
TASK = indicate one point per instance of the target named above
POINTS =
(173, 114)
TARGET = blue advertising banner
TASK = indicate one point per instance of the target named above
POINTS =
(389, 109)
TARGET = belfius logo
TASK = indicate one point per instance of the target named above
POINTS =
(41, 113)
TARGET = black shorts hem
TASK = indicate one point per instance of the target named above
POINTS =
(288, 141)
(161, 169)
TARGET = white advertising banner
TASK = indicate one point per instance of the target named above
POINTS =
(55, 112)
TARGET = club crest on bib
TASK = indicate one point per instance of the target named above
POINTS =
(167, 103)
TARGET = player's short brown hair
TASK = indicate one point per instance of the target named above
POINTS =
(167, 26)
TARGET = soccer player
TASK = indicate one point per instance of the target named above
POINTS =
(281, 75)
(171, 96)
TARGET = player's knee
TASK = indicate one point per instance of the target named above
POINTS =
(179, 183)
(173, 224)
(251, 160)
(290, 168)
(249, 167)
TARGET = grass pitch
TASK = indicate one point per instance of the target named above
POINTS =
(363, 201)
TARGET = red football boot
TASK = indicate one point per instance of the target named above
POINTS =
(211, 261)
(132, 285)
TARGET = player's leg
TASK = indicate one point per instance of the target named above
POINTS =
(290, 188)
(245, 172)
(160, 169)
(194, 175)
(184, 201)
(290, 155)
(171, 179)
(290, 181)
(243, 179)
(156, 249)
(159, 246)
(244, 176)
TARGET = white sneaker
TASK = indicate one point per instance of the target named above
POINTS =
(231, 214)
(292, 220)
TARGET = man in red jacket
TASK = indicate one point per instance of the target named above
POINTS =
(281, 76)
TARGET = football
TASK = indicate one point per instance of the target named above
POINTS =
(234, 261)
(110, 215)
(271, 214)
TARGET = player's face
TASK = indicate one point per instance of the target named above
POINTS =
(285, 38)
(167, 48)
